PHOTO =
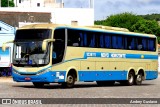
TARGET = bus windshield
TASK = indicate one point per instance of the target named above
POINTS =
(28, 48)
(32, 34)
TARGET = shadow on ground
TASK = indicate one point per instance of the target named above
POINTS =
(88, 85)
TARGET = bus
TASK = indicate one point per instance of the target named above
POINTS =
(50, 53)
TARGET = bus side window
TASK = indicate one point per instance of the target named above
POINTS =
(101, 41)
(114, 42)
(144, 44)
(91, 40)
(107, 41)
(151, 45)
(139, 47)
(119, 42)
(73, 38)
(85, 39)
(131, 42)
(81, 39)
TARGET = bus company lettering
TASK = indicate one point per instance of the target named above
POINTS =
(91, 54)
(105, 55)
(118, 55)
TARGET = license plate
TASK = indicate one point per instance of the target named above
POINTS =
(27, 78)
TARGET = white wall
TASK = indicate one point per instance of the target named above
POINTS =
(83, 16)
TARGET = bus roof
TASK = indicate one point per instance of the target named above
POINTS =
(96, 28)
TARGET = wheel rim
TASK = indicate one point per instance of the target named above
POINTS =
(139, 78)
(70, 79)
(130, 78)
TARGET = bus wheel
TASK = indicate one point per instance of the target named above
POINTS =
(130, 80)
(138, 79)
(70, 81)
(38, 84)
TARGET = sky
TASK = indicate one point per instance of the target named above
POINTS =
(105, 8)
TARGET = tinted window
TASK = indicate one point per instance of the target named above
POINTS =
(33, 34)
(108, 40)
(58, 46)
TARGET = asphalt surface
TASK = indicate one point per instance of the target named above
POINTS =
(148, 89)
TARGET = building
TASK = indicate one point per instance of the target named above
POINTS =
(46, 11)
(39, 3)
(7, 33)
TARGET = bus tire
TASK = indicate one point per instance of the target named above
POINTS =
(138, 79)
(130, 80)
(38, 84)
(70, 81)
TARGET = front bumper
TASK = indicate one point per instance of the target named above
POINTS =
(49, 77)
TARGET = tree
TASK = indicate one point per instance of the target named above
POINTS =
(124, 20)
(133, 23)
(151, 17)
(4, 3)
(146, 26)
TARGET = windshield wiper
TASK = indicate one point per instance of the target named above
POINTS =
(22, 58)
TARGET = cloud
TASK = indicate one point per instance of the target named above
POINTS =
(104, 8)
(154, 2)
(76, 3)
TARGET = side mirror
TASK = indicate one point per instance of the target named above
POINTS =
(4, 47)
(44, 45)
(45, 42)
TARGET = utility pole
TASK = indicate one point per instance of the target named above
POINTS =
(0, 3)
(91, 3)
(8, 3)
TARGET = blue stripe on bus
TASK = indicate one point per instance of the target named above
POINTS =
(111, 75)
(150, 75)
(83, 76)
(119, 55)
(102, 75)
(115, 55)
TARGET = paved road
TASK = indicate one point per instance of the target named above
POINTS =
(149, 89)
